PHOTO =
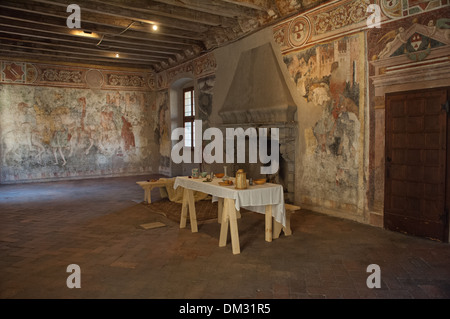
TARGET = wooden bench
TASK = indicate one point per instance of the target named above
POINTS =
(277, 227)
(148, 186)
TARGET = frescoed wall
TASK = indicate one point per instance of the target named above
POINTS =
(341, 151)
(205, 99)
(330, 78)
(162, 130)
(51, 132)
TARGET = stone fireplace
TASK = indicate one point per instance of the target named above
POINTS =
(259, 97)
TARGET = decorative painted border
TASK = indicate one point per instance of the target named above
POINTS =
(23, 73)
(403, 8)
(299, 31)
(322, 23)
(200, 67)
(13, 72)
(340, 18)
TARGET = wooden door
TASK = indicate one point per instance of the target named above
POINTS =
(416, 178)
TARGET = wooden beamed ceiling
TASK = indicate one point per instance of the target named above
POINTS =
(37, 29)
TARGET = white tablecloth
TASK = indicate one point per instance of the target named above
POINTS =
(254, 198)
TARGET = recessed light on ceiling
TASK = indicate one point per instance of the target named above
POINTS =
(117, 55)
(85, 33)
(155, 27)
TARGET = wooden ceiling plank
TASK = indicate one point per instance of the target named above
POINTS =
(261, 5)
(7, 21)
(213, 7)
(34, 56)
(86, 42)
(78, 47)
(179, 13)
(135, 15)
(107, 55)
(106, 30)
(27, 28)
(97, 18)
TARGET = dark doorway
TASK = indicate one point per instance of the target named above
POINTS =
(416, 177)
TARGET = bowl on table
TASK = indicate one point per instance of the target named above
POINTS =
(220, 175)
(259, 181)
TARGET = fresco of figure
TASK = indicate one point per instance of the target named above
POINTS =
(324, 128)
(60, 136)
(394, 36)
(127, 134)
(109, 130)
(24, 133)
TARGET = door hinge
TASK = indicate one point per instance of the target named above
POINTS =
(446, 107)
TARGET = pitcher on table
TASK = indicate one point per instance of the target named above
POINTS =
(241, 179)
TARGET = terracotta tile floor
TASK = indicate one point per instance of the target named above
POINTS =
(44, 227)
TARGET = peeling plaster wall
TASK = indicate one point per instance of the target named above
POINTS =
(331, 79)
(61, 132)
(340, 158)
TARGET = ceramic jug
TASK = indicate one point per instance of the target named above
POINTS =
(241, 179)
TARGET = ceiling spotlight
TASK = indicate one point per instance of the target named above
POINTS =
(85, 33)
(155, 27)
(117, 55)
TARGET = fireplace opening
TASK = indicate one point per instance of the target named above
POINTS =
(285, 175)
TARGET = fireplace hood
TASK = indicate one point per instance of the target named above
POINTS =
(258, 93)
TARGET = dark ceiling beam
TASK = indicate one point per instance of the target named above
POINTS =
(179, 53)
(134, 15)
(261, 5)
(97, 18)
(80, 53)
(39, 53)
(48, 58)
(9, 39)
(19, 26)
(100, 29)
(179, 13)
(213, 7)
(45, 36)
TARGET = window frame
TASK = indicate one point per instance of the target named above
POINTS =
(191, 118)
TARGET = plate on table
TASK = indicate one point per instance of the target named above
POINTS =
(227, 183)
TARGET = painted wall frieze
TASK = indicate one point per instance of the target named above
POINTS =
(13, 72)
(200, 67)
(338, 18)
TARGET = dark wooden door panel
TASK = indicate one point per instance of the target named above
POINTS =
(416, 163)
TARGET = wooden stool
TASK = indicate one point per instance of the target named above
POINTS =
(277, 227)
(148, 186)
